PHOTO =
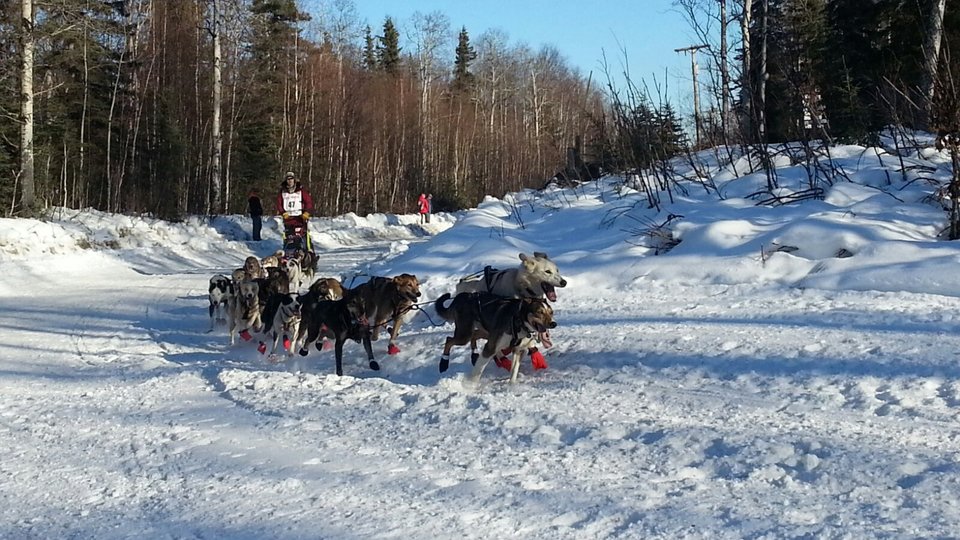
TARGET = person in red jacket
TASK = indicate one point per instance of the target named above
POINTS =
(295, 205)
(423, 207)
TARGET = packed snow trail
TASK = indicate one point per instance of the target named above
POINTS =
(671, 409)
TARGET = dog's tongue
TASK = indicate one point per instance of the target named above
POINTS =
(545, 339)
(550, 291)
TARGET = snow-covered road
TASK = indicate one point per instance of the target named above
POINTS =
(732, 413)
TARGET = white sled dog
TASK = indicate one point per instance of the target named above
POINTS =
(536, 277)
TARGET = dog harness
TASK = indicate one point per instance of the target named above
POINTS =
(491, 276)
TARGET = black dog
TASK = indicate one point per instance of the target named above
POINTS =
(339, 320)
(508, 324)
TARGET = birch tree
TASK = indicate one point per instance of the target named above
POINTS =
(215, 183)
(28, 199)
(931, 55)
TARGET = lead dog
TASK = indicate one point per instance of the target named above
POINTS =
(388, 300)
(536, 277)
(506, 323)
(337, 319)
(219, 293)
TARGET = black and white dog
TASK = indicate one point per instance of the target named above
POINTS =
(219, 293)
(281, 317)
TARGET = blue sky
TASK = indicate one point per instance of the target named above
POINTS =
(649, 31)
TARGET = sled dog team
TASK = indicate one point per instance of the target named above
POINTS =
(507, 308)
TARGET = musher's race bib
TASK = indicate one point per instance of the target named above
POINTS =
(292, 203)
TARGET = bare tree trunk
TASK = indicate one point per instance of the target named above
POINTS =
(217, 105)
(28, 199)
(112, 205)
(746, 87)
(953, 189)
(78, 172)
(761, 104)
(133, 101)
(931, 56)
(724, 72)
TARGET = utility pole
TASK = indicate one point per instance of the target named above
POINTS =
(696, 88)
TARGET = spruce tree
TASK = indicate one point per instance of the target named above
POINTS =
(670, 133)
(369, 50)
(9, 102)
(463, 79)
(388, 51)
(259, 136)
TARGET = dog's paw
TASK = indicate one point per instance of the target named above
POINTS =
(286, 343)
(374, 365)
(303, 352)
(504, 363)
(392, 349)
(262, 347)
(474, 357)
(327, 345)
(245, 335)
(444, 364)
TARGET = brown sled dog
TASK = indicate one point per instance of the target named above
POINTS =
(503, 322)
(328, 288)
(387, 300)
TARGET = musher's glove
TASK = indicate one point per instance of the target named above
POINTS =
(285, 216)
(306, 215)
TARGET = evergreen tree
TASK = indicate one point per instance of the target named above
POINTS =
(463, 78)
(670, 135)
(369, 50)
(875, 57)
(257, 149)
(9, 103)
(388, 51)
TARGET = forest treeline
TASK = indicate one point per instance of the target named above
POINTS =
(182, 106)
(827, 69)
(176, 107)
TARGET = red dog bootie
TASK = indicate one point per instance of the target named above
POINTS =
(392, 349)
(327, 345)
(537, 359)
(245, 335)
(262, 348)
(502, 359)
(286, 343)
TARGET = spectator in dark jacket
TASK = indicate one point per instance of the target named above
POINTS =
(255, 209)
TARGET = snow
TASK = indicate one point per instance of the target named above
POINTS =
(722, 389)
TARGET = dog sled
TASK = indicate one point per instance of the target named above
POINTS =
(296, 237)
